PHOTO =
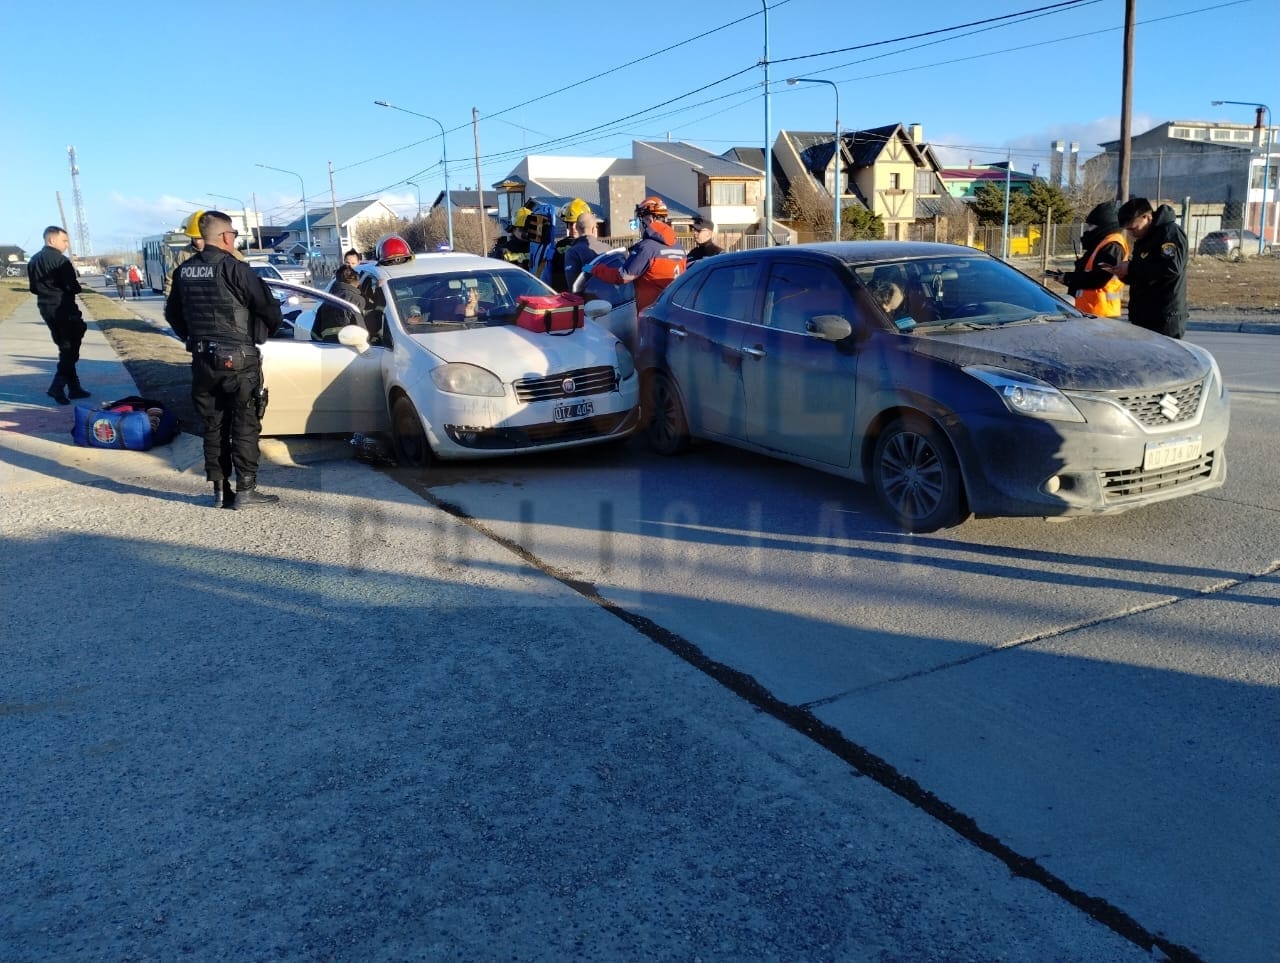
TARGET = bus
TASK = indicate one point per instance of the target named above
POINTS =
(160, 255)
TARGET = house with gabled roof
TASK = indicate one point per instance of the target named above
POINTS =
(330, 236)
(468, 202)
(886, 170)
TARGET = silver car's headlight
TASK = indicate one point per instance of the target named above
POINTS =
(626, 364)
(467, 379)
(1025, 395)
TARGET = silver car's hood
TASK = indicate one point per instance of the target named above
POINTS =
(1083, 354)
(512, 352)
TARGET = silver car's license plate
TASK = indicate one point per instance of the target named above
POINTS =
(579, 409)
(1174, 451)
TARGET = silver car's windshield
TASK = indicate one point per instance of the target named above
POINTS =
(434, 302)
(956, 292)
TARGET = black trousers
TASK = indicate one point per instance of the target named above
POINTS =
(224, 397)
(66, 327)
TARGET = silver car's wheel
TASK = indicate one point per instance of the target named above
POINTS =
(668, 429)
(412, 448)
(1235, 254)
(916, 476)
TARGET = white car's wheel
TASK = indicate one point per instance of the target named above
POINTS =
(412, 448)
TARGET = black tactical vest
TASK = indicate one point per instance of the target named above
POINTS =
(211, 311)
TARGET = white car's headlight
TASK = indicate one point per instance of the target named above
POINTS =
(1215, 382)
(626, 364)
(467, 379)
(1025, 395)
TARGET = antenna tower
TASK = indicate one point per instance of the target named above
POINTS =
(85, 246)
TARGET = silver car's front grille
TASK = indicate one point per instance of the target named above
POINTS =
(568, 384)
(1159, 409)
(1134, 482)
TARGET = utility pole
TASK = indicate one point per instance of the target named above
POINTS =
(257, 221)
(484, 214)
(337, 225)
(1126, 101)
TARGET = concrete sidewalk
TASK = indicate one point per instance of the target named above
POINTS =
(351, 727)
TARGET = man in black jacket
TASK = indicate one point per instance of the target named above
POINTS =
(51, 277)
(1156, 271)
(706, 246)
(223, 311)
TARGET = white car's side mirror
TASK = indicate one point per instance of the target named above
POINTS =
(354, 336)
(597, 309)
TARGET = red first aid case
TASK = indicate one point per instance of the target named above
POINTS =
(549, 314)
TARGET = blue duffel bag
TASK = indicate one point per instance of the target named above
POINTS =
(133, 423)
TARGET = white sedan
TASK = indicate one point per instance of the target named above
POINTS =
(436, 358)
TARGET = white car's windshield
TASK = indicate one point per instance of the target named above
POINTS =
(958, 291)
(434, 302)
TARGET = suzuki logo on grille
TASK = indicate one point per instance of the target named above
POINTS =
(1169, 407)
(569, 387)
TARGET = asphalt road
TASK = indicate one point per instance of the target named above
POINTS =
(617, 706)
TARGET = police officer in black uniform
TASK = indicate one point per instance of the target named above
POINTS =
(223, 311)
(1156, 271)
(51, 277)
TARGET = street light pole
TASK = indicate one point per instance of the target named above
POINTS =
(768, 147)
(306, 220)
(244, 212)
(417, 187)
(835, 192)
(444, 150)
(1266, 164)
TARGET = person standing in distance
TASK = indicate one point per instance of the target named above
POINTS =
(351, 259)
(1095, 288)
(51, 277)
(703, 234)
(223, 311)
(1156, 271)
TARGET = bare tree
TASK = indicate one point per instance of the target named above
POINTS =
(368, 233)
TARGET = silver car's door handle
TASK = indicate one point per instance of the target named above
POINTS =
(676, 330)
(755, 351)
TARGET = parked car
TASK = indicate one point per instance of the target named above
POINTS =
(289, 269)
(444, 384)
(949, 381)
(1232, 244)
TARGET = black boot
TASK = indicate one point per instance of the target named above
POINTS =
(58, 391)
(223, 496)
(75, 389)
(248, 496)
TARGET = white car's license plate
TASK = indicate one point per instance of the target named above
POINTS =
(579, 409)
(1159, 454)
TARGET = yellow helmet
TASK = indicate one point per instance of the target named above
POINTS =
(522, 215)
(570, 212)
(192, 227)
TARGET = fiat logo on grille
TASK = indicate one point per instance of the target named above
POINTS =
(568, 386)
(1169, 407)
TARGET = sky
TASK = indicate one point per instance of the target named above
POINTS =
(171, 107)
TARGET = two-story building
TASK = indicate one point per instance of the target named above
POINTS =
(886, 170)
(1217, 167)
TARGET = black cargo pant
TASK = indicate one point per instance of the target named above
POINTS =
(224, 382)
(66, 327)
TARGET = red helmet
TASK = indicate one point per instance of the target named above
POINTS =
(652, 206)
(392, 249)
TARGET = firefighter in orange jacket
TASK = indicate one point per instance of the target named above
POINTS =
(652, 262)
(1097, 291)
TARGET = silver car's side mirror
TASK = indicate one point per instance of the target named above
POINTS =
(829, 327)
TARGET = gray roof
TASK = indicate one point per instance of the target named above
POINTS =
(323, 216)
(712, 165)
(752, 157)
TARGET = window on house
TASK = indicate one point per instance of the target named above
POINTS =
(728, 192)
(895, 182)
(1180, 132)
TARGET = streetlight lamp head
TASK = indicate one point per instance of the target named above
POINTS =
(381, 103)
(1216, 103)
(793, 80)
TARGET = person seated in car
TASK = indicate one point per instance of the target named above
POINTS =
(330, 318)
(889, 296)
